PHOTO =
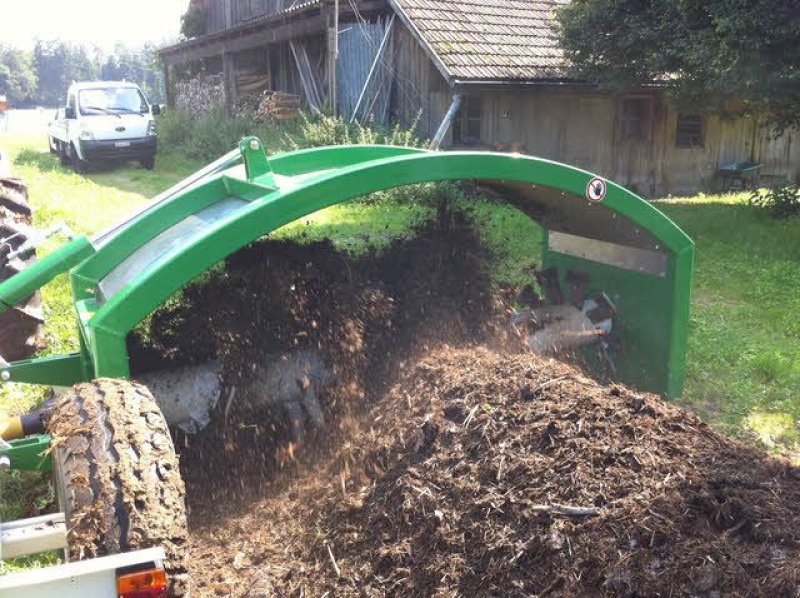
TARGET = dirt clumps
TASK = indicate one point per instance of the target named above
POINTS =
(455, 486)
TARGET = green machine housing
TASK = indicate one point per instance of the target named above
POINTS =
(627, 249)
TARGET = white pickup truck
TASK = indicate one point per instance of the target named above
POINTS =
(104, 121)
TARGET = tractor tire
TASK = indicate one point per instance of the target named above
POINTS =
(116, 475)
(21, 330)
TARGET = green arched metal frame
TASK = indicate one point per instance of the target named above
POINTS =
(283, 188)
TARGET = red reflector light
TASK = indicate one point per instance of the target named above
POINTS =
(150, 583)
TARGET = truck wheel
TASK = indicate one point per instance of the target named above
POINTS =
(62, 153)
(148, 163)
(80, 166)
(116, 474)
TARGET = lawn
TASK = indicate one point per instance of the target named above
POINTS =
(744, 343)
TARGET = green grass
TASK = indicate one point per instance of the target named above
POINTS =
(744, 342)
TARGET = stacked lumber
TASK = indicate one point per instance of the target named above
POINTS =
(250, 82)
(201, 94)
(277, 105)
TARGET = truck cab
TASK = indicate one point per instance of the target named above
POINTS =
(105, 121)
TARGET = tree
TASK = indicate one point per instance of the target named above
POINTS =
(194, 22)
(18, 79)
(58, 64)
(139, 65)
(709, 54)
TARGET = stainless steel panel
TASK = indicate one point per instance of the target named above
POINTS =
(161, 247)
(645, 261)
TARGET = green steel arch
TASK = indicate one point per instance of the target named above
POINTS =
(628, 248)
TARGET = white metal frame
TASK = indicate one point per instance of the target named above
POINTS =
(95, 578)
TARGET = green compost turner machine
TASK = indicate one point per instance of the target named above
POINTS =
(616, 273)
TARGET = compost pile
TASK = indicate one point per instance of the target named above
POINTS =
(453, 487)
(453, 464)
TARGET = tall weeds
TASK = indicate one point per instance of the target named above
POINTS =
(215, 133)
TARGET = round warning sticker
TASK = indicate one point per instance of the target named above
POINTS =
(596, 189)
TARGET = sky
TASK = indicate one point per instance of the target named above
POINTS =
(93, 22)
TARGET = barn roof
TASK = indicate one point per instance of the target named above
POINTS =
(487, 40)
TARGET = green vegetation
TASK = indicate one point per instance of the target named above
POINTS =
(207, 138)
(781, 200)
(17, 75)
(744, 340)
(194, 21)
(42, 75)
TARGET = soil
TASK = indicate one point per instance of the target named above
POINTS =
(453, 463)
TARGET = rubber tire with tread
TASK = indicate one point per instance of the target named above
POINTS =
(21, 331)
(117, 476)
(148, 163)
(78, 165)
(63, 158)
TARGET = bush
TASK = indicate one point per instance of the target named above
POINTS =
(174, 128)
(320, 130)
(216, 133)
(781, 200)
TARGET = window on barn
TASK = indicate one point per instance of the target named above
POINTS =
(690, 131)
(635, 119)
(467, 124)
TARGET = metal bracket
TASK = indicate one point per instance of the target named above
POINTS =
(28, 454)
(256, 162)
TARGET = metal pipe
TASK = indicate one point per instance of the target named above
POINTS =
(378, 56)
(335, 61)
(36, 275)
(223, 163)
(445, 124)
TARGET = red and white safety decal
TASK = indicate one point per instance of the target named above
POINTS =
(596, 189)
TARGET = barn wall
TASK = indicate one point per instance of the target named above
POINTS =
(583, 129)
(573, 126)
(224, 14)
(420, 92)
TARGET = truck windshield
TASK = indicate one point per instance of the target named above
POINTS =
(102, 100)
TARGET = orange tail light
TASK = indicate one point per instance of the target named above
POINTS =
(149, 583)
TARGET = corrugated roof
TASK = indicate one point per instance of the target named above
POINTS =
(489, 39)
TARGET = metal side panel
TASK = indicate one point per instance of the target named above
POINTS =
(32, 536)
(156, 251)
(646, 261)
(94, 577)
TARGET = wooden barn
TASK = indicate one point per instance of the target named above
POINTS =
(481, 73)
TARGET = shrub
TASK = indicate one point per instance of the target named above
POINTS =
(319, 130)
(174, 128)
(216, 133)
(781, 200)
